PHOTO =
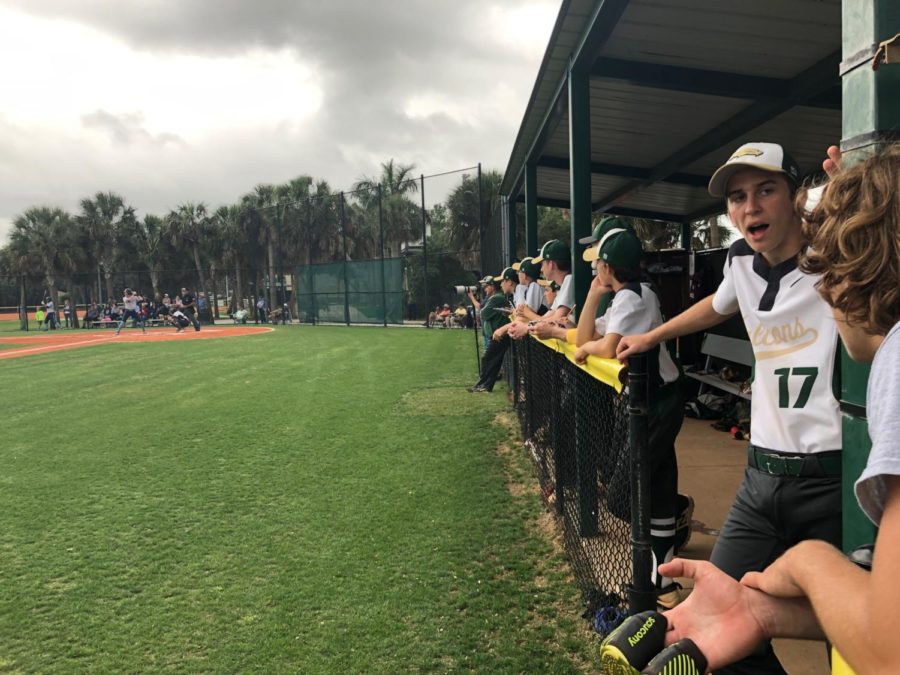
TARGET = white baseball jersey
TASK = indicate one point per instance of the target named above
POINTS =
(130, 302)
(519, 294)
(566, 295)
(534, 296)
(794, 340)
(635, 310)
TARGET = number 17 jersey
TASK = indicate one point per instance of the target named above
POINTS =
(794, 339)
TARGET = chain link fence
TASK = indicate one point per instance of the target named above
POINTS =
(578, 430)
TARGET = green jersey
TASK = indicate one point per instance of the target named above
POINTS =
(491, 316)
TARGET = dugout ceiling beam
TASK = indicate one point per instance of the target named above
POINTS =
(673, 88)
(805, 86)
(624, 171)
(707, 82)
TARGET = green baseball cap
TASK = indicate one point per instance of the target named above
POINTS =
(552, 285)
(606, 225)
(552, 250)
(528, 268)
(620, 249)
(508, 273)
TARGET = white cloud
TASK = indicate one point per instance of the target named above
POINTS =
(65, 70)
(180, 100)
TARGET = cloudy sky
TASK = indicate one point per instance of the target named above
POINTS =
(165, 101)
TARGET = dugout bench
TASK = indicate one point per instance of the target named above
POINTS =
(721, 351)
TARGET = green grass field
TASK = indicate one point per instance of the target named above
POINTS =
(314, 500)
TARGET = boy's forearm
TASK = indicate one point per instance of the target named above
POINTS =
(696, 318)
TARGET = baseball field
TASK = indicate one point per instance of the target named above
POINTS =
(316, 500)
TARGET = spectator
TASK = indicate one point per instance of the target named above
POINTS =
(494, 318)
(92, 315)
(39, 317)
(531, 298)
(556, 262)
(261, 307)
(444, 315)
(812, 590)
(67, 314)
(791, 489)
(635, 310)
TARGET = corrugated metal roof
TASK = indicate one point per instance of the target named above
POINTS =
(675, 86)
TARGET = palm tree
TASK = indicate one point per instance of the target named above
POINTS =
(188, 225)
(149, 242)
(42, 231)
(101, 217)
(402, 216)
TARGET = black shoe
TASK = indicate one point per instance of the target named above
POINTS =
(683, 522)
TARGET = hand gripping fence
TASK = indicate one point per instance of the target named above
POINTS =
(587, 436)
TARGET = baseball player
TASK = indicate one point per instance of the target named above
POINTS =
(791, 487)
(131, 302)
(634, 310)
(495, 318)
(855, 248)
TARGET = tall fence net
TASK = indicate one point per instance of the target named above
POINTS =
(576, 429)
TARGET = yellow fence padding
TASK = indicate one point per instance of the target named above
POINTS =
(608, 371)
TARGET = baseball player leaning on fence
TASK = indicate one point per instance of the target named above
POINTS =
(791, 489)
(616, 257)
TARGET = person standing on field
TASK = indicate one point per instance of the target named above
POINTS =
(131, 303)
(791, 489)
(188, 308)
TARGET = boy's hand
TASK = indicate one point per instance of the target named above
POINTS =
(832, 165)
(581, 356)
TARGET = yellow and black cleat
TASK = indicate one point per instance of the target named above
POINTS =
(630, 647)
(680, 658)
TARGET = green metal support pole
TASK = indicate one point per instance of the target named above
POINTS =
(345, 256)
(870, 120)
(531, 226)
(580, 200)
(424, 246)
(512, 230)
(384, 305)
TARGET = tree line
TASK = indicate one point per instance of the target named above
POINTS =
(268, 230)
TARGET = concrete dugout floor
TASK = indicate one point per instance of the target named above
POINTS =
(710, 467)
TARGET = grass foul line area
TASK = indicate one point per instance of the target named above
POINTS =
(321, 500)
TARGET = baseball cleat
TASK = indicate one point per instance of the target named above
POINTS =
(630, 647)
(669, 597)
(680, 658)
(684, 521)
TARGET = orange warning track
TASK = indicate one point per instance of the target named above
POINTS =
(52, 341)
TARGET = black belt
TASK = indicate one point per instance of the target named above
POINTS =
(817, 465)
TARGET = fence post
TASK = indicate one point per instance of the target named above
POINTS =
(346, 286)
(381, 251)
(424, 248)
(640, 592)
(586, 469)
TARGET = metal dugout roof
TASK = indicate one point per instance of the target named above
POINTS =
(674, 87)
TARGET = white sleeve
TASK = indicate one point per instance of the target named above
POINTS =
(627, 315)
(725, 300)
(565, 297)
(534, 296)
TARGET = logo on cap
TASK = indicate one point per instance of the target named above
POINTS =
(746, 152)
